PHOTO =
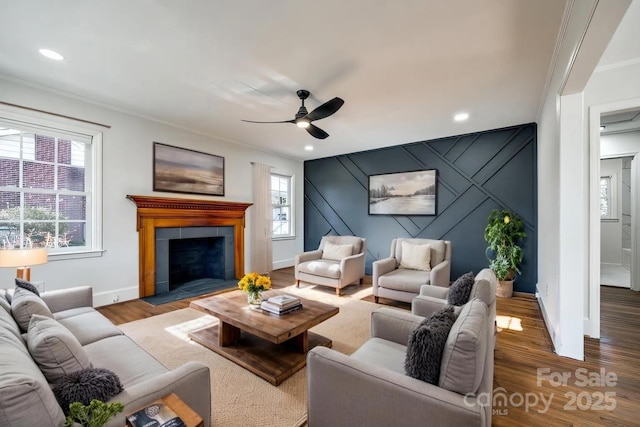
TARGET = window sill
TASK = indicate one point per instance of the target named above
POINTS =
(284, 238)
(56, 256)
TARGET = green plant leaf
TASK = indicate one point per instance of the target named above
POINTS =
(95, 414)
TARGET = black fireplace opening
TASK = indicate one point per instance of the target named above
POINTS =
(195, 259)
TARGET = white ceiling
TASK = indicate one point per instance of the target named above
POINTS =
(624, 45)
(403, 68)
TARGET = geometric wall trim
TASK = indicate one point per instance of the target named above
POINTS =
(477, 172)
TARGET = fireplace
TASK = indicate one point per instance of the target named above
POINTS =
(188, 254)
(189, 223)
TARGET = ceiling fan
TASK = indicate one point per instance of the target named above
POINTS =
(303, 118)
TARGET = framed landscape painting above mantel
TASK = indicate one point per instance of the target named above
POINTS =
(180, 170)
(403, 193)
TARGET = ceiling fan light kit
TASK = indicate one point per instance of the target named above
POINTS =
(303, 118)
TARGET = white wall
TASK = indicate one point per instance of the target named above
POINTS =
(565, 229)
(548, 214)
(127, 169)
(561, 156)
(611, 230)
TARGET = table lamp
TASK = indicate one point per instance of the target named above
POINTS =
(23, 259)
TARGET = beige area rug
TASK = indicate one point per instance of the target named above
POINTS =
(238, 397)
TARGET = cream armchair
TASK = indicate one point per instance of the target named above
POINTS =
(409, 266)
(338, 262)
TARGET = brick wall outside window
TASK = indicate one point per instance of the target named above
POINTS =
(40, 173)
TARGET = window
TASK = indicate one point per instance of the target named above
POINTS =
(281, 202)
(608, 197)
(48, 181)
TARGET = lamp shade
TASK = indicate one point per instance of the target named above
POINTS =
(22, 257)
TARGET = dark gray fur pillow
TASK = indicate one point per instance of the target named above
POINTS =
(426, 345)
(461, 289)
(21, 283)
(85, 385)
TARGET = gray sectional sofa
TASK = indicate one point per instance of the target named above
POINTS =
(26, 397)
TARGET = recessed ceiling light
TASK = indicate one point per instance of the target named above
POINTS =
(51, 54)
(461, 117)
(308, 147)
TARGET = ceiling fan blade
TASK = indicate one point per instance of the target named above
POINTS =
(316, 132)
(284, 121)
(326, 109)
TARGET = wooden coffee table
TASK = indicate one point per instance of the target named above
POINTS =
(271, 346)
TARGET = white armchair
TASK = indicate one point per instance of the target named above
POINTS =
(338, 262)
(410, 265)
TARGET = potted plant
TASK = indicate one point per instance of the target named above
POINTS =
(95, 414)
(503, 233)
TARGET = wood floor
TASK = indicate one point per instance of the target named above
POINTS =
(604, 390)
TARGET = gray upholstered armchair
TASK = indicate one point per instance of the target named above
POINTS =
(434, 298)
(338, 262)
(410, 265)
(370, 387)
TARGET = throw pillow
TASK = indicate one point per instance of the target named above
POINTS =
(54, 348)
(460, 290)
(426, 345)
(85, 385)
(21, 283)
(24, 304)
(416, 257)
(336, 252)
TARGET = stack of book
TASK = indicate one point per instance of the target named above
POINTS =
(281, 304)
(158, 414)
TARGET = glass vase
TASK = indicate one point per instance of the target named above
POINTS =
(254, 298)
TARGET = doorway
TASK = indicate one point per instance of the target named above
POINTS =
(615, 216)
(627, 146)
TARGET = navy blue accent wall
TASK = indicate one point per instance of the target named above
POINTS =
(477, 172)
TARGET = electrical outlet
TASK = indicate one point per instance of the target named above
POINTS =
(116, 298)
(39, 285)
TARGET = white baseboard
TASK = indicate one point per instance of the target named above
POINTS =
(116, 295)
(284, 263)
(587, 327)
(617, 285)
(547, 323)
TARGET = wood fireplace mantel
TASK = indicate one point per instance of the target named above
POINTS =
(159, 212)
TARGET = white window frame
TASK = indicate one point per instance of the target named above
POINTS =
(290, 204)
(612, 197)
(61, 127)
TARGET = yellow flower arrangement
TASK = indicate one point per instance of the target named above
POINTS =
(253, 283)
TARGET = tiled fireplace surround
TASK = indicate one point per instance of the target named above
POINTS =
(159, 219)
(194, 253)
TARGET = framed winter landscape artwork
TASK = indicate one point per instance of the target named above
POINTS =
(403, 193)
